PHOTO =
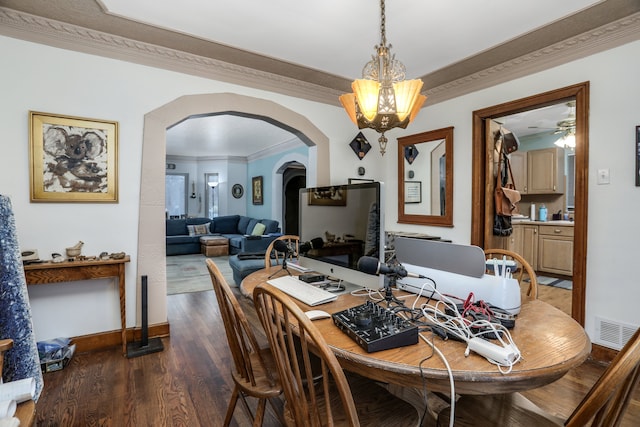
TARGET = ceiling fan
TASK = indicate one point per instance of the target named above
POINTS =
(565, 126)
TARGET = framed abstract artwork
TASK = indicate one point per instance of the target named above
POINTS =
(72, 159)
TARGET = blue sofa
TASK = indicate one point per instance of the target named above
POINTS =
(236, 228)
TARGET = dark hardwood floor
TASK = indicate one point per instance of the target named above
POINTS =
(188, 383)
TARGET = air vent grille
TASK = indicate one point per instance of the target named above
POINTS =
(611, 333)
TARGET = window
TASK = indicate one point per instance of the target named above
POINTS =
(571, 180)
(175, 195)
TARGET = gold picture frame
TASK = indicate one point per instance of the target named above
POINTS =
(72, 159)
(256, 185)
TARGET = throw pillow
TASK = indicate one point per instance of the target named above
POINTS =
(250, 226)
(195, 230)
(258, 229)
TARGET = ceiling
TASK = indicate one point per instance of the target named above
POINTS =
(338, 36)
(328, 42)
(542, 120)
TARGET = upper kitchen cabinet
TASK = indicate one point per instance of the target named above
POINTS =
(518, 162)
(539, 171)
(545, 171)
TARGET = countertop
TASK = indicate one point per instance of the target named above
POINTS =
(527, 221)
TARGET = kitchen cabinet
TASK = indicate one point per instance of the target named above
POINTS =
(518, 162)
(546, 247)
(524, 241)
(539, 171)
(545, 171)
(555, 249)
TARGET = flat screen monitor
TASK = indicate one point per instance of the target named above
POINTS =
(350, 221)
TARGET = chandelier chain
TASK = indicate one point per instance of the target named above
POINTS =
(383, 32)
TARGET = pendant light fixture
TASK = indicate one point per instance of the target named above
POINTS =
(382, 99)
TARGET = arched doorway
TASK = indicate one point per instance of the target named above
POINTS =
(151, 235)
(294, 177)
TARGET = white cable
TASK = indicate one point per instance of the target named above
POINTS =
(452, 387)
(504, 356)
(365, 292)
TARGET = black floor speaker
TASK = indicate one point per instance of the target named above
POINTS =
(145, 345)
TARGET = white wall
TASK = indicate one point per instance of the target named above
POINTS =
(612, 234)
(46, 79)
(40, 78)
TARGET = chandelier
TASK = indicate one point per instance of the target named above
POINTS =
(382, 99)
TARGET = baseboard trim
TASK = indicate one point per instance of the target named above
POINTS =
(104, 340)
(602, 354)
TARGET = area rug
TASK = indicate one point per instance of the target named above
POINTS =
(555, 282)
(188, 273)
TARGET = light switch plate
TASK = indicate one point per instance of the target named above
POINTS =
(603, 176)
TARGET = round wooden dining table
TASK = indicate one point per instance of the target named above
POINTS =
(550, 341)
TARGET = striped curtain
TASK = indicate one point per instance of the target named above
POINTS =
(22, 360)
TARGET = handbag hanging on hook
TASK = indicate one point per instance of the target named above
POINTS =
(506, 194)
(506, 198)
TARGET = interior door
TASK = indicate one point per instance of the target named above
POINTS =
(438, 177)
(492, 152)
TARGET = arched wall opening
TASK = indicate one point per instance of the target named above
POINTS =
(151, 226)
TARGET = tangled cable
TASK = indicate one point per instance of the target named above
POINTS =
(474, 323)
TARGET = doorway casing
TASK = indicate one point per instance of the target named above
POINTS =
(480, 200)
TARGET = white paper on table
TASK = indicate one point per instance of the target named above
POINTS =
(9, 422)
(20, 390)
(7, 408)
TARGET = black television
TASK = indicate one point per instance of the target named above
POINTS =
(350, 220)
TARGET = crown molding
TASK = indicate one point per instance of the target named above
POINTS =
(178, 158)
(283, 147)
(273, 150)
(73, 37)
(46, 31)
(606, 37)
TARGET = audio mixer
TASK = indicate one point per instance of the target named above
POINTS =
(376, 328)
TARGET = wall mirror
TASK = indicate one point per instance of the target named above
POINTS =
(425, 178)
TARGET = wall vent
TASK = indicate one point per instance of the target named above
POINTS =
(613, 334)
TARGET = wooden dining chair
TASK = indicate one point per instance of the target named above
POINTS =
(604, 405)
(523, 271)
(254, 372)
(25, 411)
(291, 240)
(328, 399)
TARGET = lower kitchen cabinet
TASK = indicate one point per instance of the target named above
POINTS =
(555, 249)
(547, 248)
(524, 241)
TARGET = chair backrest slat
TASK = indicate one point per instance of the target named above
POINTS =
(241, 339)
(609, 397)
(311, 399)
(290, 239)
(524, 267)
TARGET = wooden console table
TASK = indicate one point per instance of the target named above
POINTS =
(70, 271)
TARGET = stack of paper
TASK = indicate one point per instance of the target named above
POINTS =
(12, 393)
